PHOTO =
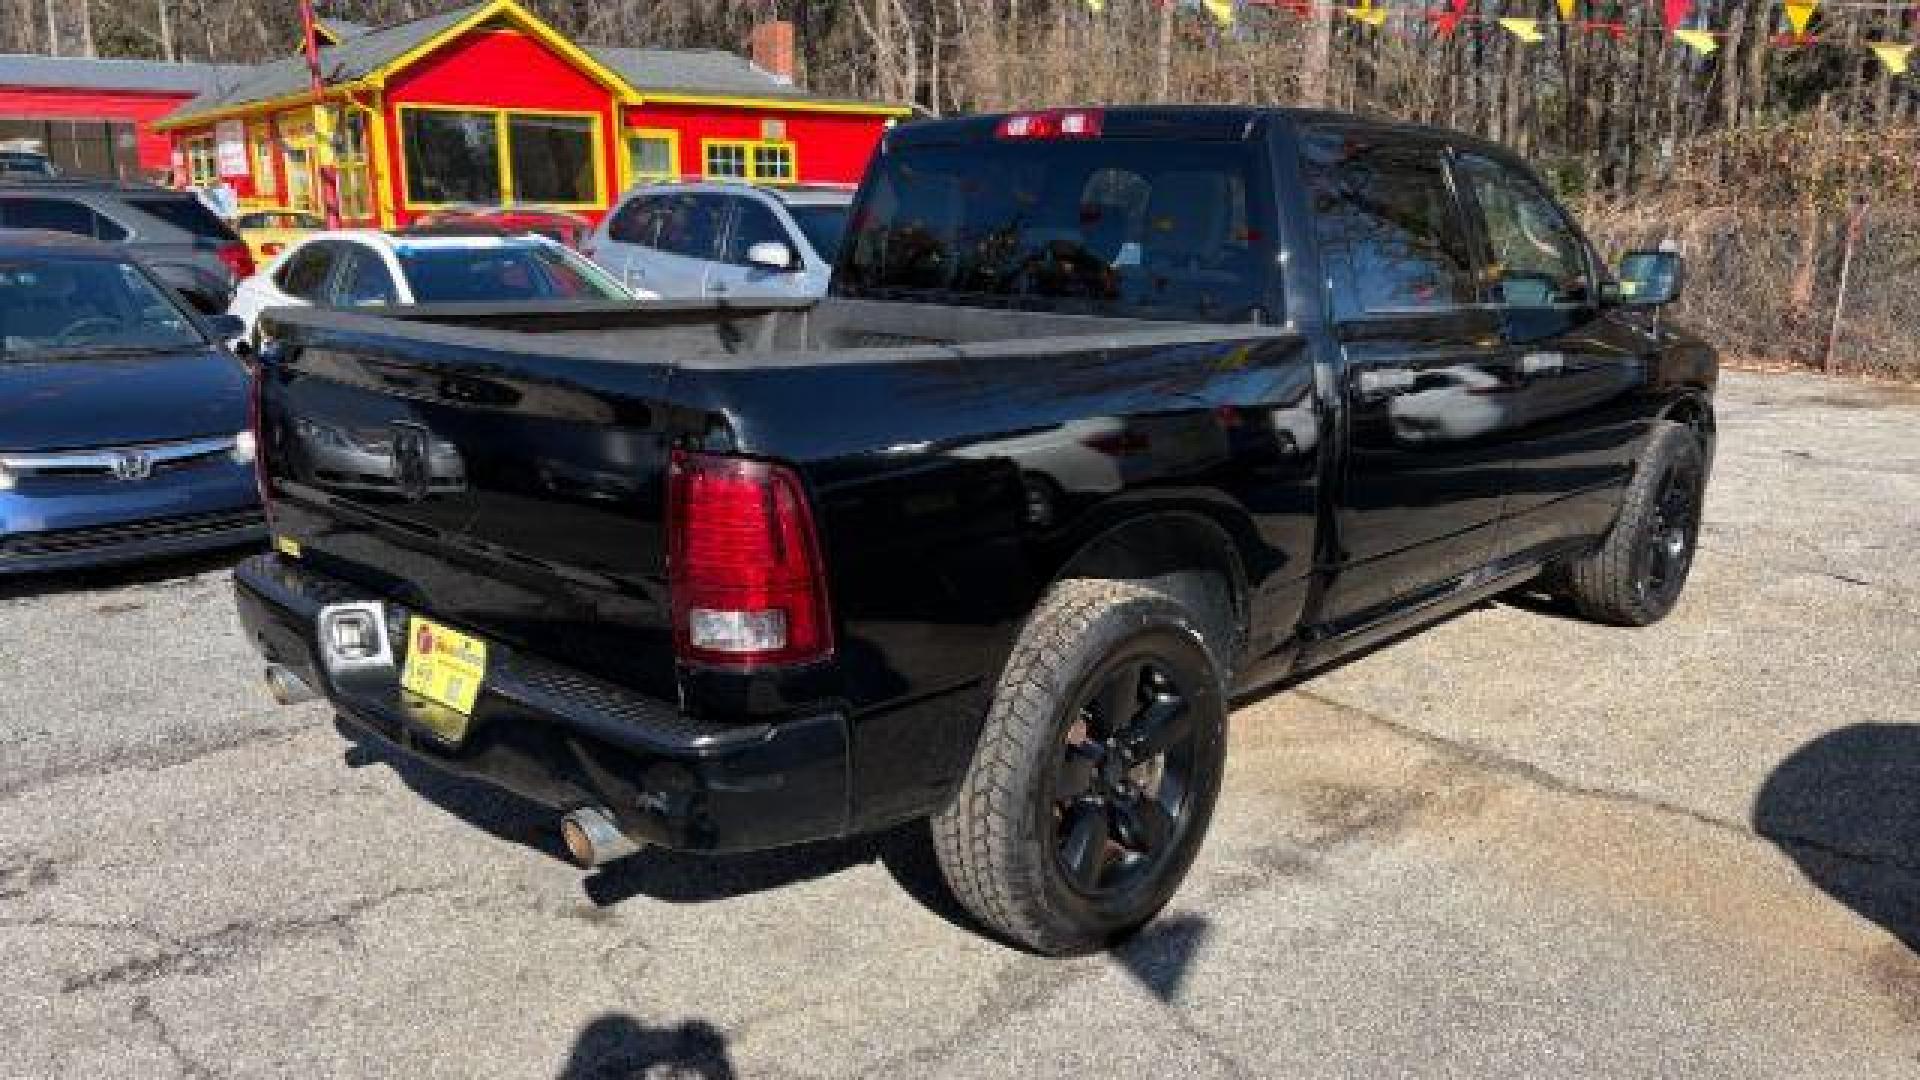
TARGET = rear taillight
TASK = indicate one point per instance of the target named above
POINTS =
(1053, 124)
(237, 258)
(744, 562)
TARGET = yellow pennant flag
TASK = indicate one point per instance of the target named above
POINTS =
(1799, 13)
(1527, 30)
(1699, 41)
(1892, 55)
(1222, 10)
(1567, 8)
(1375, 17)
(1097, 6)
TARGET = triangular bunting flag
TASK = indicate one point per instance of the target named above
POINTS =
(1699, 41)
(1373, 16)
(1527, 30)
(1567, 8)
(1675, 12)
(1221, 10)
(1800, 13)
(1446, 22)
(1097, 6)
(1893, 56)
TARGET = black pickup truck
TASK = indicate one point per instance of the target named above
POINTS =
(1111, 417)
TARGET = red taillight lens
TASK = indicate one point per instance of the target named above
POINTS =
(1053, 124)
(238, 259)
(744, 562)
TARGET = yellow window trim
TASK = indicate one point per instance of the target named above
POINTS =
(747, 147)
(627, 176)
(505, 157)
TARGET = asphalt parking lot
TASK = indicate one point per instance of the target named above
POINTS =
(1514, 845)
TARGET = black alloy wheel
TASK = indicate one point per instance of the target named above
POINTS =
(1124, 776)
(1671, 531)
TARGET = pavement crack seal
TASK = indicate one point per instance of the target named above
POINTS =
(1502, 765)
(212, 950)
(113, 766)
(143, 1014)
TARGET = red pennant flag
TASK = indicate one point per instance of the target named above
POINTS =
(1449, 20)
(1675, 12)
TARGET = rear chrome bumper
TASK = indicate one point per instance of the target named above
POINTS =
(566, 740)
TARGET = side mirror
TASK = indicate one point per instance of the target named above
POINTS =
(1648, 279)
(224, 327)
(772, 255)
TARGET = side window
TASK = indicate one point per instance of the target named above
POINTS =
(364, 279)
(59, 215)
(638, 222)
(1535, 258)
(754, 224)
(305, 274)
(1389, 229)
(692, 224)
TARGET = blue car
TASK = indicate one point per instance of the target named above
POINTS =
(123, 419)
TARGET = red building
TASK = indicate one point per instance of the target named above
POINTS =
(487, 105)
(96, 116)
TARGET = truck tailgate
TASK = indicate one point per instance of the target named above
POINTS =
(524, 509)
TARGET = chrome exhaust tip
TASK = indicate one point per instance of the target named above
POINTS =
(286, 687)
(593, 839)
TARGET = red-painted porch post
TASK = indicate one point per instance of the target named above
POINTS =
(329, 189)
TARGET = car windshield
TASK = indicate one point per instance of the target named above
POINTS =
(446, 275)
(1143, 228)
(52, 307)
(824, 226)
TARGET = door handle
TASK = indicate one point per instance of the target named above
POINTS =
(1543, 363)
(1383, 382)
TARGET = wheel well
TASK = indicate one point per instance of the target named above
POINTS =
(1186, 555)
(1696, 413)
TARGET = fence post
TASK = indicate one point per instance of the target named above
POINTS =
(1856, 218)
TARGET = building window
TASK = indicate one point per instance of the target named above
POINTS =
(773, 162)
(653, 155)
(203, 168)
(552, 159)
(727, 159)
(493, 157)
(764, 161)
(452, 157)
(266, 181)
(354, 177)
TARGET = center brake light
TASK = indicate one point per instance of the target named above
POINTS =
(1053, 124)
(743, 560)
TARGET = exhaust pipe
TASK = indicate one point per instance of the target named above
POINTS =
(593, 839)
(286, 687)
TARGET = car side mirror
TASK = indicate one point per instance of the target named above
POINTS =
(1648, 279)
(225, 327)
(772, 255)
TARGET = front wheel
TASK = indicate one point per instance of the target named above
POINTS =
(1096, 773)
(1634, 578)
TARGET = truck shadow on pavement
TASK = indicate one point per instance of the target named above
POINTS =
(615, 1046)
(1846, 809)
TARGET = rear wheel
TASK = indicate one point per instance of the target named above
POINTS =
(1096, 774)
(1635, 577)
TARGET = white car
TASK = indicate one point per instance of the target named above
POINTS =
(362, 267)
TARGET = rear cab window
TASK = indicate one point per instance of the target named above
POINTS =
(1156, 227)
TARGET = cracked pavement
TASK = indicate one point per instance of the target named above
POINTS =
(1512, 845)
